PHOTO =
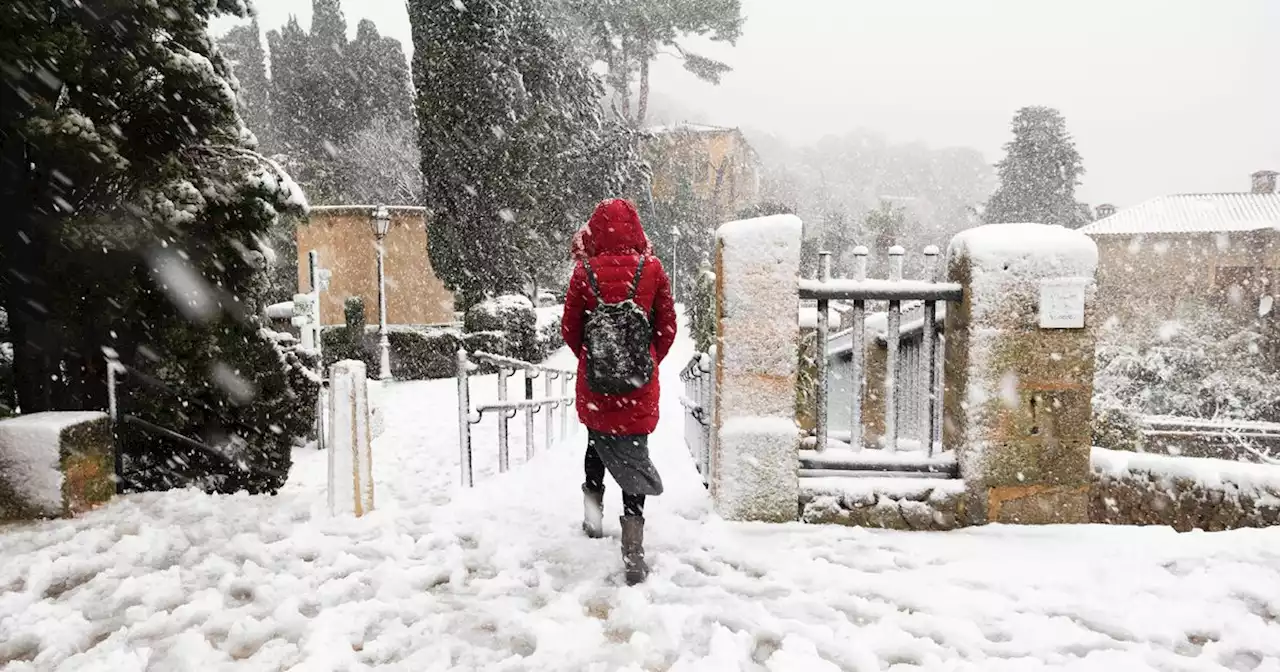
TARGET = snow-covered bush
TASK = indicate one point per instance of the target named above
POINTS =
(1116, 427)
(250, 406)
(419, 354)
(549, 338)
(494, 342)
(1199, 368)
(354, 314)
(512, 314)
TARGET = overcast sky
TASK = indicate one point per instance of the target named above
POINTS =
(1162, 96)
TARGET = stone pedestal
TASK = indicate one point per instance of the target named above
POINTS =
(754, 462)
(55, 465)
(350, 457)
(1017, 405)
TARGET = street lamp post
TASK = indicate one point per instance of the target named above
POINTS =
(381, 225)
(675, 263)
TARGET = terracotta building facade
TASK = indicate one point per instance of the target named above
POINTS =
(343, 237)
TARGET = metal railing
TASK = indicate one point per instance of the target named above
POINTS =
(507, 409)
(699, 386)
(912, 368)
(119, 375)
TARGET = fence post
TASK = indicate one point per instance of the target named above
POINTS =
(114, 369)
(929, 353)
(891, 355)
(504, 417)
(350, 457)
(820, 354)
(464, 416)
(528, 414)
(1019, 371)
(859, 352)
(755, 466)
(565, 379)
(548, 410)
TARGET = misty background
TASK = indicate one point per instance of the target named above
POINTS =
(1161, 96)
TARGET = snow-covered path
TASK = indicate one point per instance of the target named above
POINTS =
(500, 578)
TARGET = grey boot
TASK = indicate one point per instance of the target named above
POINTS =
(593, 512)
(633, 549)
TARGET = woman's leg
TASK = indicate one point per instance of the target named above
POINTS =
(632, 505)
(592, 466)
(592, 491)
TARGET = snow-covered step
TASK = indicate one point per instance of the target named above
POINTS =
(848, 462)
(901, 502)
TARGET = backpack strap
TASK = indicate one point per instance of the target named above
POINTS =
(591, 279)
(635, 285)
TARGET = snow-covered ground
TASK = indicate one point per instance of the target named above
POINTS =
(500, 578)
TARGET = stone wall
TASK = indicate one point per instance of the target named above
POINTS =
(1185, 493)
(1124, 489)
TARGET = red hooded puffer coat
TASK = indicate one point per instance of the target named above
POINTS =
(616, 243)
(581, 248)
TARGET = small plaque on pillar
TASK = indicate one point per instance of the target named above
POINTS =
(1062, 303)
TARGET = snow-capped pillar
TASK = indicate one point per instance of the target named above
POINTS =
(754, 463)
(350, 457)
(1019, 371)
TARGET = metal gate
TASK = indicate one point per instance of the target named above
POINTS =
(912, 372)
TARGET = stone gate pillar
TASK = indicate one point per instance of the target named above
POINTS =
(1019, 371)
(755, 439)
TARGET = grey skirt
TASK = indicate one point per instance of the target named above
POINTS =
(627, 459)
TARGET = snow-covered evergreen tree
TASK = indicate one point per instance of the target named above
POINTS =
(330, 93)
(381, 164)
(242, 47)
(515, 148)
(381, 80)
(154, 204)
(1039, 174)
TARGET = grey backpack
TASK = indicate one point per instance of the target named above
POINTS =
(617, 338)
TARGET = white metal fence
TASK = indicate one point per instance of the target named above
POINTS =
(505, 409)
(699, 386)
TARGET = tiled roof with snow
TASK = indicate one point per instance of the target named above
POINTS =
(1193, 213)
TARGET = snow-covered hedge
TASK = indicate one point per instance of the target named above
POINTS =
(419, 354)
(508, 326)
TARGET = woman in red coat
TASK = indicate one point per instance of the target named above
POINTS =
(619, 426)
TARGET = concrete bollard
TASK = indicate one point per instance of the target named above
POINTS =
(1019, 371)
(754, 462)
(350, 457)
